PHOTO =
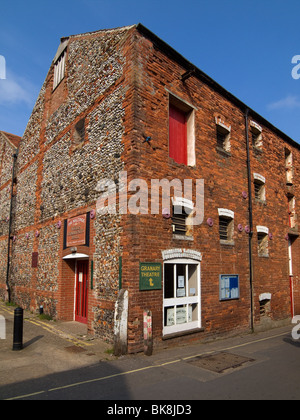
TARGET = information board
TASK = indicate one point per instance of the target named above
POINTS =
(229, 287)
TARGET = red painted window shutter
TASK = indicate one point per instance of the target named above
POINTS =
(178, 135)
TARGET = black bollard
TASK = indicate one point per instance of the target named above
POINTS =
(18, 329)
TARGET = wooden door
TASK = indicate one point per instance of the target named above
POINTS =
(81, 304)
(178, 135)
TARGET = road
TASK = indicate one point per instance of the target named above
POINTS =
(264, 366)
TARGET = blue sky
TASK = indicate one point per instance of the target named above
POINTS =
(247, 46)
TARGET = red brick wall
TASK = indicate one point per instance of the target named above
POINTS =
(225, 179)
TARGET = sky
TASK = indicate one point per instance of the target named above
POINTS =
(247, 46)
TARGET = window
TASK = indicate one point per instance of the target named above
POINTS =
(181, 296)
(263, 241)
(182, 211)
(79, 132)
(181, 132)
(256, 133)
(259, 187)
(292, 211)
(59, 63)
(223, 135)
(289, 167)
(226, 226)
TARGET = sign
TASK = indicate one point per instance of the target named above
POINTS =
(150, 276)
(229, 287)
(76, 231)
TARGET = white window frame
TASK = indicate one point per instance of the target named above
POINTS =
(179, 301)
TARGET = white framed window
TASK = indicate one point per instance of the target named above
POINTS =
(182, 296)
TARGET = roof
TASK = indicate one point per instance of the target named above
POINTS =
(12, 138)
(173, 54)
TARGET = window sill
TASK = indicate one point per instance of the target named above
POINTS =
(259, 201)
(223, 152)
(263, 255)
(257, 150)
(227, 243)
(182, 333)
(183, 237)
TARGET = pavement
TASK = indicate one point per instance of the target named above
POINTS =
(48, 347)
(56, 347)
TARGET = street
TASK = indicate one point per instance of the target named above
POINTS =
(261, 366)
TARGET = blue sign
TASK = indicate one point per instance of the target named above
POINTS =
(229, 287)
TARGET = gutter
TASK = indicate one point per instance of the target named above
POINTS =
(250, 221)
(15, 156)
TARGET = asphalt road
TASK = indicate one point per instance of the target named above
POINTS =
(262, 366)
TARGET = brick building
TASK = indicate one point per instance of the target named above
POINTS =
(119, 112)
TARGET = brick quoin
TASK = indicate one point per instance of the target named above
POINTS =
(119, 84)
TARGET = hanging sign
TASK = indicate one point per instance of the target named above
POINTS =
(150, 276)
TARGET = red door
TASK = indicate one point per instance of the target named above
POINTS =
(81, 291)
(178, 135)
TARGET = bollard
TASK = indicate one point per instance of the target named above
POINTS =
(18, 329)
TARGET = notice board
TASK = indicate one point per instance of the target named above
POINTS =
(229, 287)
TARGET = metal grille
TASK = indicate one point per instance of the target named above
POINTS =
(179, 223)
(257, 190)
(224, 228)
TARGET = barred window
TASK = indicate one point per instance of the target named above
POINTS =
(226, 226)
(259, 187)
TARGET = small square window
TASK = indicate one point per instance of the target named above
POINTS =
(79, 133)
(259, 189)
(179, 222)
(263, 244)
(225, 228)
(289, 167)
(256, 134)
(223, 139)
(223, 135)
(292, 211)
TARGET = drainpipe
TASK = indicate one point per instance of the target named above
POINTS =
(250, 220)
(15, 156)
